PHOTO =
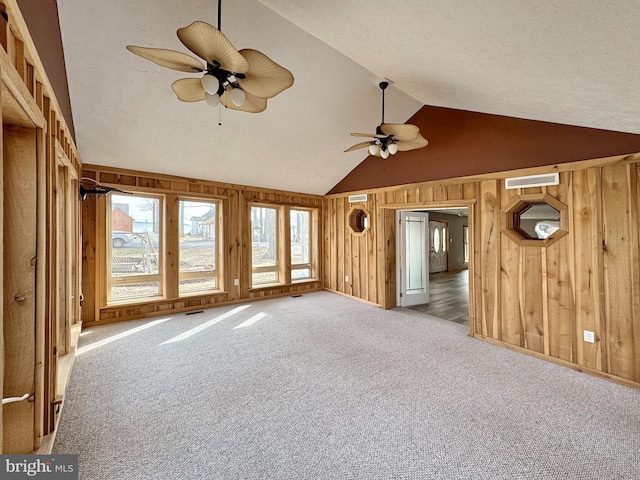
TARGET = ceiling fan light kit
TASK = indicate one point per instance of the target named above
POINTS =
(390, 138)
(241, 80)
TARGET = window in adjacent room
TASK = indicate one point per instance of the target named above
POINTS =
(465, 238)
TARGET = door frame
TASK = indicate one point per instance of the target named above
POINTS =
(391, 250)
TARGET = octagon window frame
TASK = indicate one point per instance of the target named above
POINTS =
(520, 204)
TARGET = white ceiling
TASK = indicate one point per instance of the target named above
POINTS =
(572, 62)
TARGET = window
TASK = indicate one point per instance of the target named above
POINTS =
(300, 244)
(284, 244)
(199, 246)
(134, 245)
(465, 239)
(535, 219)
(264, 248)
(358, 221)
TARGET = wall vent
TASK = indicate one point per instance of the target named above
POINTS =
(532, 181)
(358, 198)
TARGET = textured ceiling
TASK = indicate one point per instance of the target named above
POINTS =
(572, 62)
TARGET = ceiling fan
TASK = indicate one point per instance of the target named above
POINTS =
(390, 138)
(241, 80)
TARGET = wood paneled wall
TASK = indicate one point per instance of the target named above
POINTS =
(236, 202)
(535, 299)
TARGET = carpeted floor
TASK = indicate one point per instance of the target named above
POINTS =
(325, 387)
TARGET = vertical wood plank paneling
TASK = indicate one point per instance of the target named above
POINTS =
(440, 193)
(535, 297)
(172, 247)
(355, 266)
(618, 276)
(454, 192)
(390, 258)
(329, 246)
(364, 264)
(410, 195)
(342, 211)
(510, 311)
(372, 258)
(560, 331)
(19, 254)
(239, 248)
(381, 261)
(333, 259)
(348, 259)
(43, 380)
(531, 298)
(586, 235)
(489, 253)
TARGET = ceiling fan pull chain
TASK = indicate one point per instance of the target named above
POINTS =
(382, 105)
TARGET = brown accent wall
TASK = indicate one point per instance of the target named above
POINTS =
(463, 143)
(41, 17)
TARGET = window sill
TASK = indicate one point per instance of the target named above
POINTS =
(268, 286)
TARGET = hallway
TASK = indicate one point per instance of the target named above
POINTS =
(449, 295)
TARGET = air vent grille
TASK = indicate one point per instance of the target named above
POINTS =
(532, 181)
(358, 198)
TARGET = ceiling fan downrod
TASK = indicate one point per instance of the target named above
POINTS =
(219, 15)
(383, 87)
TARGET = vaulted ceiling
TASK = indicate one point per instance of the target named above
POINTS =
(569, 62)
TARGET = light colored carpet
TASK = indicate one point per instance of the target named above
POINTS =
(325, 387)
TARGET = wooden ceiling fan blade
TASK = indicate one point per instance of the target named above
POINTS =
(401, 132)
(358, 146)
(418, 142)
(209, 43)
(265, 78)
(372, 135)
(188, 89)
(168, 58)
(252, 104)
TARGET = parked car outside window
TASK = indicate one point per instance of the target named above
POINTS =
(120, 239)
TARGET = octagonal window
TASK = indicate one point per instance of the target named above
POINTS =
(358, 220)
(537, 219)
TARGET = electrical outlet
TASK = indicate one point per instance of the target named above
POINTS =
(589, 336)
(346, 278)
(236, 282)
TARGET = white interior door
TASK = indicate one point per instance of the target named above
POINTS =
(413, 255)
(439, 242)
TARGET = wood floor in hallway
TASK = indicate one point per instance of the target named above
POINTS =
(449, 296)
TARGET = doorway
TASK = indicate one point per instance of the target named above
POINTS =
(446, 275)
